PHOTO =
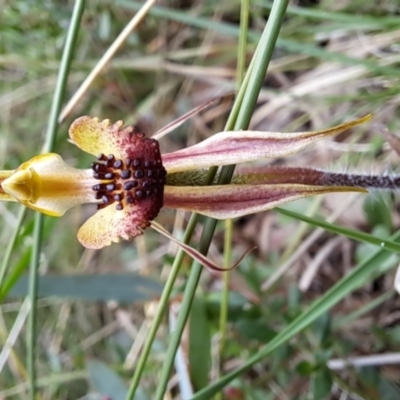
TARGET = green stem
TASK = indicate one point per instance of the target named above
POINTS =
(223, 318)
(252, 86)
(32, 293)
(242, 46)
(266, 47)
(63, 73)
(240, 72)
(165, 297)
(162, 306)
(186, 305)
(177, 263)
(48, 146)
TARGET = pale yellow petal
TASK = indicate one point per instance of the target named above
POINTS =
(96, 137)
(109, 225)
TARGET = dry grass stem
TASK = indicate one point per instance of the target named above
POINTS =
(105, 59)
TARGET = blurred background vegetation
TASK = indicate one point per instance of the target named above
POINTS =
(335, 60)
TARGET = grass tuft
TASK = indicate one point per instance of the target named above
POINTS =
(139, 319)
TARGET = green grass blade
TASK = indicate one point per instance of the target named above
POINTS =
(240, 73)
(357, 277)
(199, 344)
(162, 306)
(348, 319)
(292, 46)
(340, 230)
(14, 276)
(50, 138)
(188, 296)
(8, 251)
(252, 86)
(32, 293)
(355, 22)
(223, 316)
(242, 45)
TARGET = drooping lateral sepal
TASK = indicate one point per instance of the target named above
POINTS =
(195, 254)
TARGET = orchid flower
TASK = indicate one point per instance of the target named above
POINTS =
(130, 180)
